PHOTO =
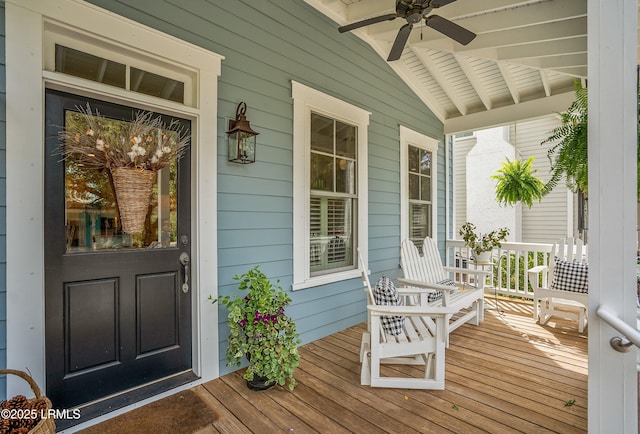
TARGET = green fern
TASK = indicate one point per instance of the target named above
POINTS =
(569, 156)
(516, 183)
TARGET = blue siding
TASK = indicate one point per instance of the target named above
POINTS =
(266, 45)
(3, 208)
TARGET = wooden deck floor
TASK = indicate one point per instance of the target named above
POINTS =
(508, 375)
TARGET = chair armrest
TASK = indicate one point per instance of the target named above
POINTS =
(534, 273)
(538, 269)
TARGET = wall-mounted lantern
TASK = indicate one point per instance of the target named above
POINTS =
(242, 139)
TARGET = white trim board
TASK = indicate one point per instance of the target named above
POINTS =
(26, 79)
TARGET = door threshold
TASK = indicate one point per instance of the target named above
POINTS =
(110, 403)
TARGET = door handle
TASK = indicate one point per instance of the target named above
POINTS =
(185, 260)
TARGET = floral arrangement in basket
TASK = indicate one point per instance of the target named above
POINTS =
(479, 242)
(260, 330)
(131, 152)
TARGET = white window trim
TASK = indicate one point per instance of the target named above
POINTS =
(26, 80)
(414, 138)
(306, 99)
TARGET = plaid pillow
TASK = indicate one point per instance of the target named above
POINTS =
(386, 294)
(437, 295)
(571, 276)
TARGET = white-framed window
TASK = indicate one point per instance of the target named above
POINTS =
(329, 187)
(418, 186)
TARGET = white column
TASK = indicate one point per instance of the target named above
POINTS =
(613, 123)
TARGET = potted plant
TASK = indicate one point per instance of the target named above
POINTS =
(260, 331)
(516, 183)
(482, 244)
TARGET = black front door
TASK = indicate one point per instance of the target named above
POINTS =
(118, 309)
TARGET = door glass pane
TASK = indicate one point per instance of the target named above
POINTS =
(92, 218)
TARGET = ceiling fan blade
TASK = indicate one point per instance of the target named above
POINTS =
(400, 42)
(439, 3)
(367, 22)
(450, 29)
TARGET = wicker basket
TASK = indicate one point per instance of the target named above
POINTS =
(47, 425)
(133, 189)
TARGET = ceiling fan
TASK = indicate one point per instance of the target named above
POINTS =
(413, 11)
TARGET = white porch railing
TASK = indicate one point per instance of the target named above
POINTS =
(510, 264)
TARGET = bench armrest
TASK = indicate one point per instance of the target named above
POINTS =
(416, 284)
(467, 271)
(432, 311)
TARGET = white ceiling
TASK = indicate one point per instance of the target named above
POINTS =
(521, 65)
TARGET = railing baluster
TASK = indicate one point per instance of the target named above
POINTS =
(457, 249)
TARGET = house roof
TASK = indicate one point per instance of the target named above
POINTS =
(522, 64)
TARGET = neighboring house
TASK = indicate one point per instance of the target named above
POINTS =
(334, 123)
(552, 218)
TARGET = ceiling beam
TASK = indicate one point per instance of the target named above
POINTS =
(441, 78)
(473, 78)
(503, 38)
(511, 113)
(509, 81)
(541, 49)
(544, 78)
(554, 62)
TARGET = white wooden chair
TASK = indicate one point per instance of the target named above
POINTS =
(560, 288)
(427, 272)
(421, 342)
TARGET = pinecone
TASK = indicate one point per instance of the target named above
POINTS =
(38, 404)
(23, 430)
(21, 423)
(5, 426)
(4, 404)
(18, 402)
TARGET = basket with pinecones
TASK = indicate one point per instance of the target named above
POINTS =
(20, 415)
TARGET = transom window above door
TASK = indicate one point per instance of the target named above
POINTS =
(82, 55)
(90, 67)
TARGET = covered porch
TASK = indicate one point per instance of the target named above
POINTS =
(507, 375)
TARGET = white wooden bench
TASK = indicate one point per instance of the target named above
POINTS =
(426, 272)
